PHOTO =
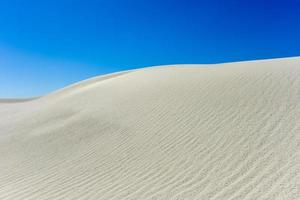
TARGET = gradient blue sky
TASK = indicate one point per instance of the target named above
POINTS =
(46, 45)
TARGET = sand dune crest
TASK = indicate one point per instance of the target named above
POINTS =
(228, 131)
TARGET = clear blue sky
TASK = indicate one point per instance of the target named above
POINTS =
(48, 44)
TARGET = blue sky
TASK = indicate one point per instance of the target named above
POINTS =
(46, 45)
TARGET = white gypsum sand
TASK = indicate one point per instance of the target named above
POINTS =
(228, 131)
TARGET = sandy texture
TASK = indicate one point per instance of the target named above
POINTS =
(229, 131)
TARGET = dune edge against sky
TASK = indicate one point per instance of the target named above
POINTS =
(229, 131)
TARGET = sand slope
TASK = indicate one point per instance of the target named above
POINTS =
(229, 131)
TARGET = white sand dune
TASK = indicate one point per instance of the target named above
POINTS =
(228, 131)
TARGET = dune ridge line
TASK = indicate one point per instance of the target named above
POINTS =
(178, 132)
